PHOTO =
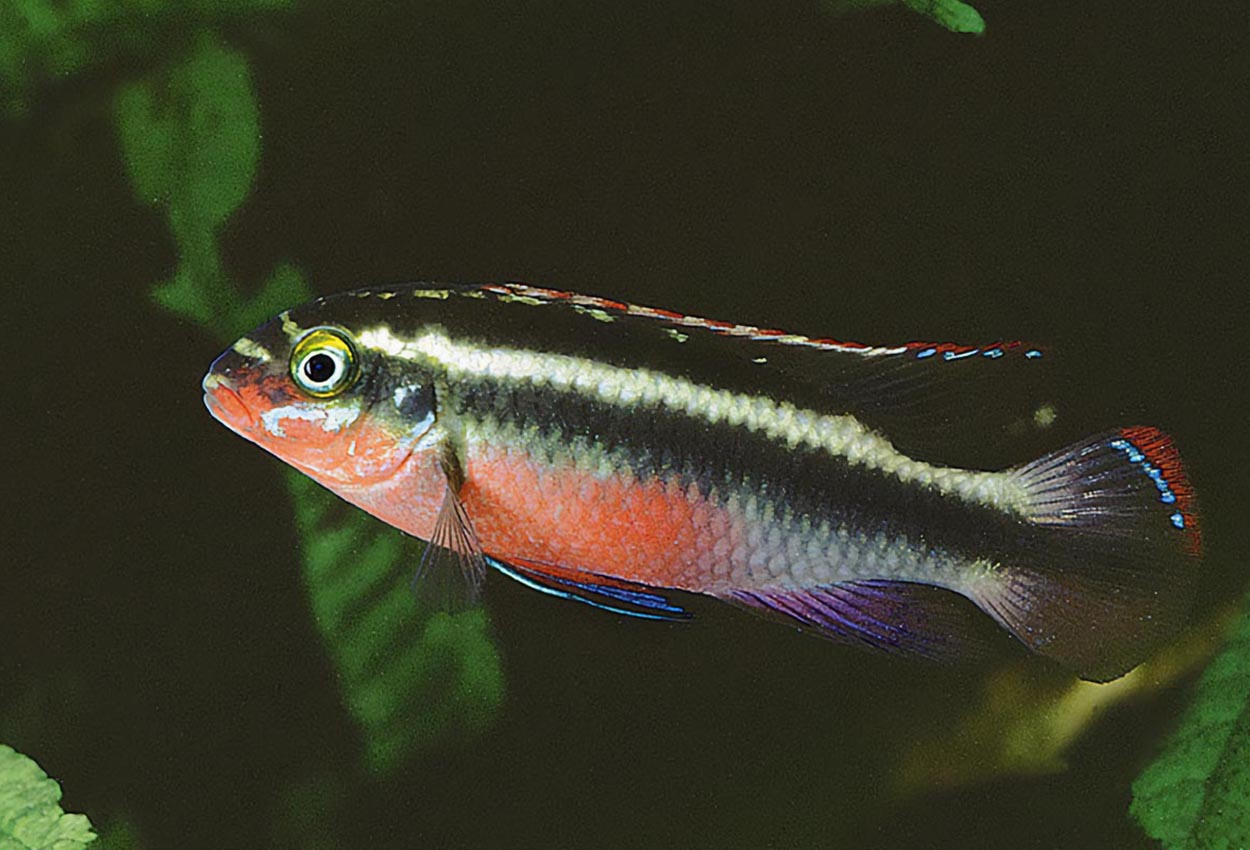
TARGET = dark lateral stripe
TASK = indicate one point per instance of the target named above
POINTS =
(626, 391)
(727, 463)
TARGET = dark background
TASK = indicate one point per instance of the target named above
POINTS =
(1076, 177)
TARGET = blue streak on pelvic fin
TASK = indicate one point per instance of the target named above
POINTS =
(656, 606)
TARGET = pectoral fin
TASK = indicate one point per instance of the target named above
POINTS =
(452, 567)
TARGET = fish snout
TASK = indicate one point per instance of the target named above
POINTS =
(223, 401)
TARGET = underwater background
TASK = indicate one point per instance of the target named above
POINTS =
(206, 650)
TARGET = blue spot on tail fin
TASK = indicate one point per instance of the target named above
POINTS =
(1108, 572)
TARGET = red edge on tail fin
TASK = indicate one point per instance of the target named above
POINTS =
(1109, 574)
(1158, 457)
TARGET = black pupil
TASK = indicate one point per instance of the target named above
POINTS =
(319, 368)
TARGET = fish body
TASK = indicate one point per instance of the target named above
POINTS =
(607, 452)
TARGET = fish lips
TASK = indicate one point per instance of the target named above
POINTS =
(233, 377)
(226, 405)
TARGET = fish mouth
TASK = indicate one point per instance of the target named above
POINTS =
(225, 404)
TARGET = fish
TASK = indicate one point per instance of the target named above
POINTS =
(626, 456)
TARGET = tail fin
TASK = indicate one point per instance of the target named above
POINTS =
(1110, 574)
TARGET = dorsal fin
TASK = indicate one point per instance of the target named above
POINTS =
(983, 406)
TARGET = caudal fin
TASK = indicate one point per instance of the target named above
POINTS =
(1110, 573)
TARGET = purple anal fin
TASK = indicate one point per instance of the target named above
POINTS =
(893, 616)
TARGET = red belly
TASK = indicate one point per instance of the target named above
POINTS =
(651, 532)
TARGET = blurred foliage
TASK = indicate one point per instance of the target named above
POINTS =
(190, 136)
(955, 16)
(49, 39)
(409, 679)
(1027, 716)
(42, 39)
(309, 811)
(118, 834)
(196, 151)
(29, 713)
(1197, 793)
(30, 811)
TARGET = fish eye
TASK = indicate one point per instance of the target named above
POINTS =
(324, 362)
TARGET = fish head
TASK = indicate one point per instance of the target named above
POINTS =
(307, 391)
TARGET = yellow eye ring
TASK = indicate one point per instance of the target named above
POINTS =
(324, 362)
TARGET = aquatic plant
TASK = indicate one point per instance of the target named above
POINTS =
(1197, 793)
(49, 39)
(30, 813)
(951, 14)
(1025, 720)
(355, 569)
(358, 572)
(190, 137)
(41, 39)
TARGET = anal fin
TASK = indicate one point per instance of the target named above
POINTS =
(893, 616)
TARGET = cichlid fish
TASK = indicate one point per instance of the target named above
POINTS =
(608, 453)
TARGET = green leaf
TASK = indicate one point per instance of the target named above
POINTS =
(218, 128)
(50, 39)
(147, 142)
(955, 16)
(191, 143)
(191, 136)
(30, 814)
(952, 14)
(285, 288)
(185, 296)
(409, 679)
(1197, 793)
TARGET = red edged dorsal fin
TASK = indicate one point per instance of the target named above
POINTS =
(982, 406)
